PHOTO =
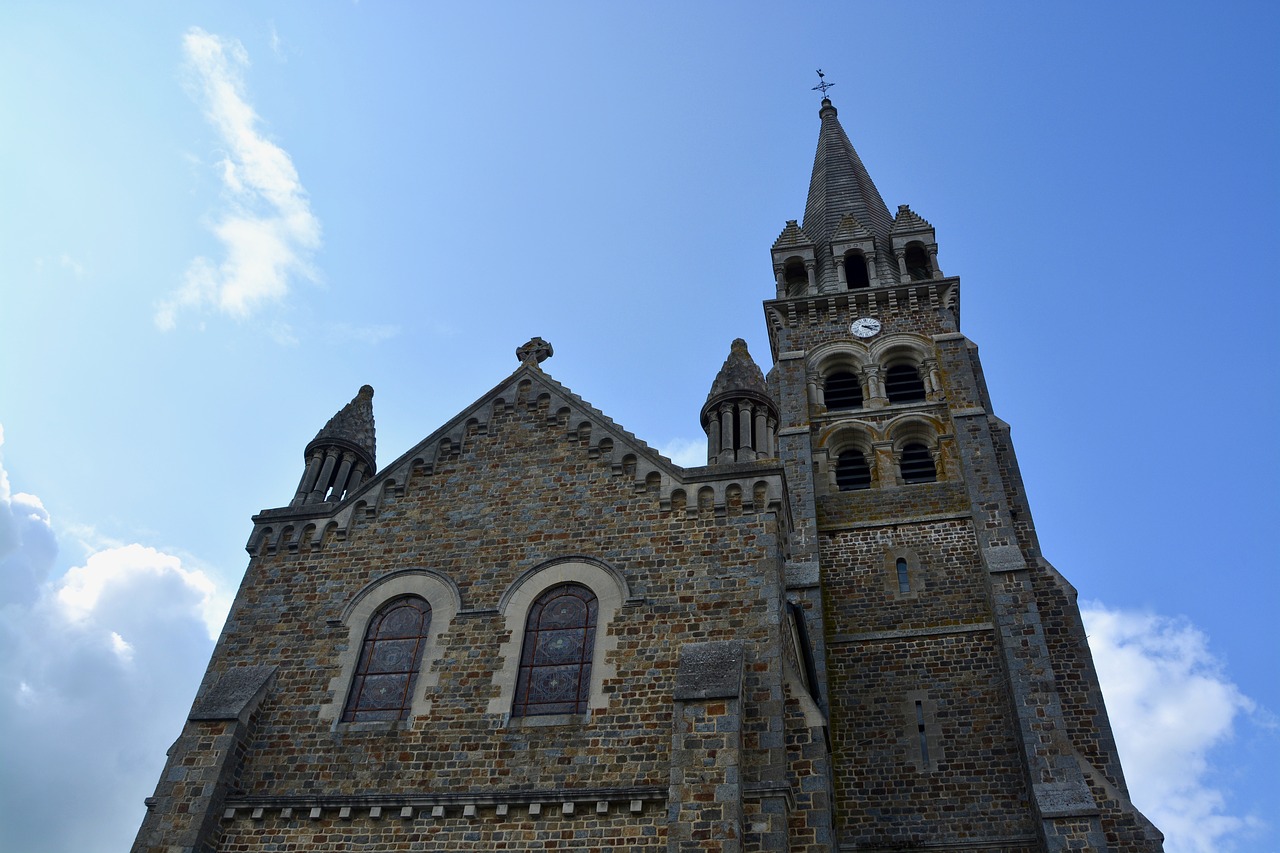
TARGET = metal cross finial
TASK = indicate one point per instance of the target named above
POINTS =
(823, 85)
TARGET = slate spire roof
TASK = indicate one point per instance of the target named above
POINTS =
(352, 427)
(841, 185)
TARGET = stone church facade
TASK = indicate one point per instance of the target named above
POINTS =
(533, 632)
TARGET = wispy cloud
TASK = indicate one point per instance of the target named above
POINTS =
(267, 230)
(1170, 702)
(686, 452)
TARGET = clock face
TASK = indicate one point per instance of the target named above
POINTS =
(865, 327)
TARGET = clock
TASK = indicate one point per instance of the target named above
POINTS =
(865, 327)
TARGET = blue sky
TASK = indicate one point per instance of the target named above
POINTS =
(220, 219)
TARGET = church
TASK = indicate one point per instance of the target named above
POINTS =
(532, 631)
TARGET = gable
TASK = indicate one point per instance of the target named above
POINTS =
(528, 436)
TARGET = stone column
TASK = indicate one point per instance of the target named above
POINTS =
(875, 388)
(746, 447)
(811, 269)
(762, 435)
(308, 481)
(932, 379)
(326, 474)
(901, 254)
(932, 249)
(713, 437)
(340, 481)
(841, 275)
(873, 269)
(726, 433)
(357, 477)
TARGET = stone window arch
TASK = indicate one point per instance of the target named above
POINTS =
(555, 660)
(850, 458)
(365, 618)
(517, 607)
(917, 450)
(386, 673)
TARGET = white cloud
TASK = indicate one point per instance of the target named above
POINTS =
(686, 452)
(97, 670)
(267, 231)
(1170, 702)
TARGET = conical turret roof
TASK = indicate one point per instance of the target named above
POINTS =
(740, 373)
(352, 427)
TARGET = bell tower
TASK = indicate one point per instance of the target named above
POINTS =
(961, 698)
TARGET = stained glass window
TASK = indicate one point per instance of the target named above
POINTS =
(389, 660)
(555, 661)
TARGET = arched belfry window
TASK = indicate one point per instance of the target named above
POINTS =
(852, 471)
(917, 261)
(902, 384)
(842, 390)
(917, 464)
(855, 270)
(390, 658)
(555, 660)
(796, 277)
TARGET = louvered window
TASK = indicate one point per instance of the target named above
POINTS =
(852, 471)
(842, 390)
(389, 660)
(902, 384)
(917, 464)
(555, 661)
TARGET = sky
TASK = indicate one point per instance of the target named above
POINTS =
(219, 220)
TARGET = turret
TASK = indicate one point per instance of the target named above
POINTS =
(341, 455)
(739, 417)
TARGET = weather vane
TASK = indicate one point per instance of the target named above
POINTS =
(823, 85)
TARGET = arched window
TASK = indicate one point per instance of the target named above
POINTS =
(917, 464)
(555, 660)
(917, 261)
(904, 576)
(842, 390)
(902, 384)
(855, 270)
(852, 471)
(796, 278)
(390, 657)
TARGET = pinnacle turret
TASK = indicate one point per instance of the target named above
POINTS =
(342, 454)
(740, 416)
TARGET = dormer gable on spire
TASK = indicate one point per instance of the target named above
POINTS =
(794, 263)
(854, 254)
(915, 248)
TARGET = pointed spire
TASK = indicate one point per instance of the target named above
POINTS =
(841, 186)
(342, 454)
(352, 426)
(740, 416)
